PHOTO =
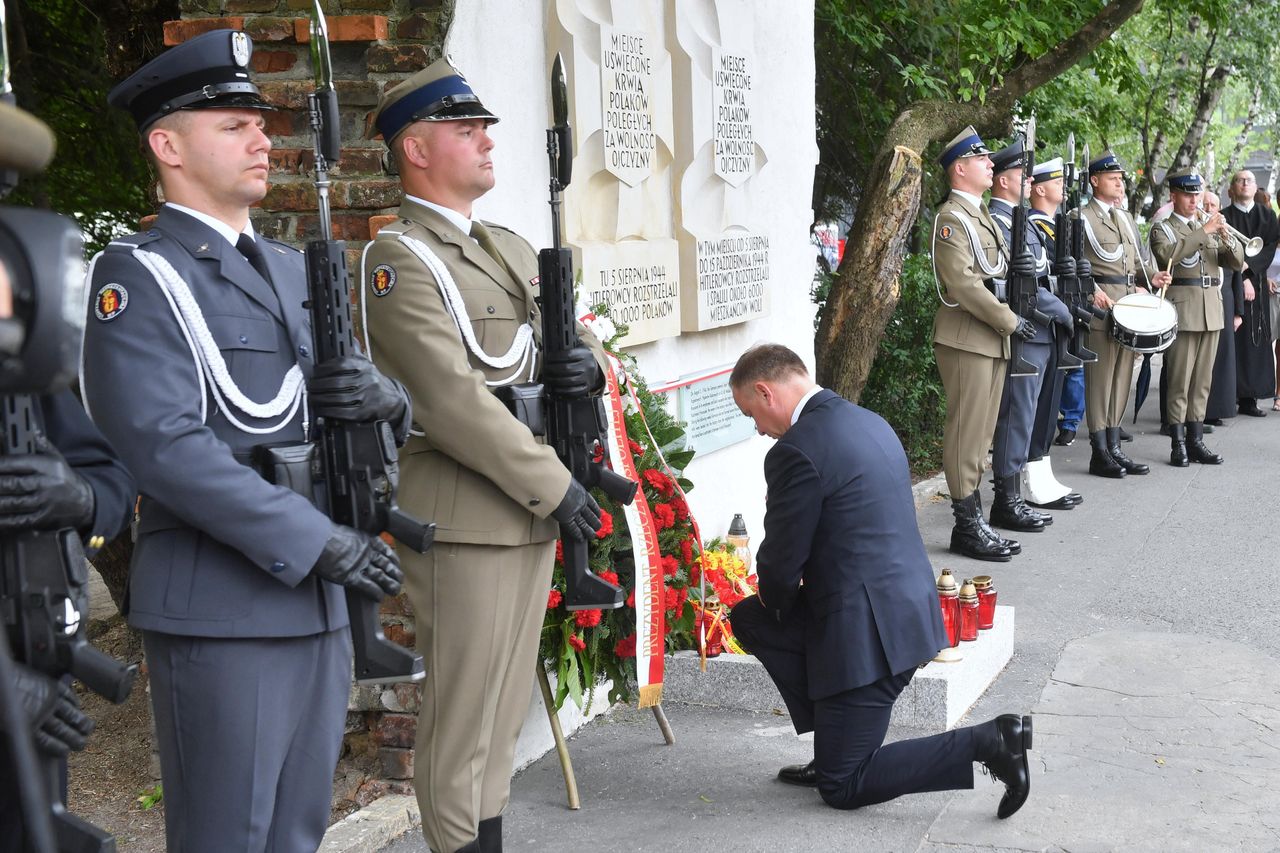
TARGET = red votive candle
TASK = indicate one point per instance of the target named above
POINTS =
(949, 600)
(986, 602)
(968, 612)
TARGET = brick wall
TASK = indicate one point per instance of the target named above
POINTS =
(374, 44)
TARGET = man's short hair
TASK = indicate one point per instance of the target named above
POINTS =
(766, 363)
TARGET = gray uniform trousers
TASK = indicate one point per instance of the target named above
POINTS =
(248, 775)
(1018, 413)
(479, 612)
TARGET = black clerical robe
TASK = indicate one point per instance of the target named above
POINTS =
(1255, 360)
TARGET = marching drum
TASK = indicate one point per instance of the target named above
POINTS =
(1143, 322)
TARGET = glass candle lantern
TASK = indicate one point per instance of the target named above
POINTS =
(986, 601)
(949, 599)
(968, 611)
(740, 541)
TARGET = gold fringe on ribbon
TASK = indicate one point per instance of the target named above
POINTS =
(650, 695)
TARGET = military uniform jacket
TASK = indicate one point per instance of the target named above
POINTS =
(970, 317)
(1195, 255)
(1048, 304)
(1111, 246)
(219, 552)
(470, 466)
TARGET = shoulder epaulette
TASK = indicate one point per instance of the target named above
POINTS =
(281, 245)
(133, 241)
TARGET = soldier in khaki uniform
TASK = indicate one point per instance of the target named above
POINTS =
(971, 337)
(1111, 247)
(450, 309)
(1196, 252)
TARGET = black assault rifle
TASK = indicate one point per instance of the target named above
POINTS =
(1074, 288)
(359, 461)
(1022, 288)
(576, 426)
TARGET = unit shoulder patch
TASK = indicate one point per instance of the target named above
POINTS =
(382, 279)
(110, 302)
(945, 232)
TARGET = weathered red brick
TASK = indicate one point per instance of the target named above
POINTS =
(330, 7)
(395, 730)
(395, 763)
(285, 159)
(407, 696)
(361, 161)
(258, 6)
(398, 634)
(369, 791)
(285, 123)
(384, 58)
(358, 93)
(346, 226)
(272, 61)
(176, 32)
(421, 27)
(291, 94)
(398, 605)
(345, 28)
(377, 222)
(291, 195)
(269, 28)
(367, 193)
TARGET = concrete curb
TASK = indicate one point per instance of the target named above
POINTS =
(926, 490)
(374, 826)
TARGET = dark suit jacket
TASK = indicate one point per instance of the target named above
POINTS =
(840, 517)
(220, 551)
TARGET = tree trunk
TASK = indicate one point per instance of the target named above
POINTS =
(1255, 107)
(1209, 97)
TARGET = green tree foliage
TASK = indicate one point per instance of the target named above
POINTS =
(66, 56)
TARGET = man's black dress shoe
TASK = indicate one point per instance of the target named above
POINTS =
(1252, 411)
(1065, 437)
(1214, 422)
(1124, 435)
(1006, 758)
(800, 774)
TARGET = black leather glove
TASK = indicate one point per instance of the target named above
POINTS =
(362, 562)
(40, 491)
(1084, 269)
(574, 373)
(1066, 268)
(351, 389)
(1026, 330)
(53, 711)
(1023, 265)
(578, 513)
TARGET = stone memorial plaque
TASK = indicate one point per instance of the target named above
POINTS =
(626, 91)
(705, 403)
(638, 281)
(727, 280)
(733, 135)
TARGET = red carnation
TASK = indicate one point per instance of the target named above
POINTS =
(670, 598)
(663, 516)
(626, 647)
(659, 481)
(636, 449)
(587, 618)
(611, 577)
(598, 456)
(554, 598)
(559, 551)
(669, 565)
(681, 508)
(606, 524)
(686, 551)
(631, 599)
(577, 642)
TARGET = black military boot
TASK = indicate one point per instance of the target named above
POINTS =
(991, 533)
(1195, 445)
(1009, 512)
(1178, 445)
(1113, 447)
(1100, 462)
(967, 537)
(490, 837)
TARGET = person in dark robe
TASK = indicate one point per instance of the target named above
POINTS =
(1255, 361)
(1222, 393)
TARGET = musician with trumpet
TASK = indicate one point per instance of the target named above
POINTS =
(1194, 245)
(1118, 269)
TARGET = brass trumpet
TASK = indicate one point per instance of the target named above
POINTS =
(1252, 246)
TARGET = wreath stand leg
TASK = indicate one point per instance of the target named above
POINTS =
(562, 749)
(663, 724)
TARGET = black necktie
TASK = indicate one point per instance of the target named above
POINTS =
(248, 247)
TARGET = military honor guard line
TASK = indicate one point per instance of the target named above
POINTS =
(245, 568)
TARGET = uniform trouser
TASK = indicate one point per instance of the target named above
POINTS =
(1106, 382)
(1017, 413)
(973, 384)
(1046, 420)
(249, 732)
(479, 611)
(1072, 406)
(1188, 363)
(854, 767)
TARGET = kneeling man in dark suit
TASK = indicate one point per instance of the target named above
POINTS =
(847, 608)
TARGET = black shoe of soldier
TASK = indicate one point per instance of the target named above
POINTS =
(1124, 436)
(799, 774)
(1065, 437)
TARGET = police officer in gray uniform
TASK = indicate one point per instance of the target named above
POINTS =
(1021, 393)
(198, 369)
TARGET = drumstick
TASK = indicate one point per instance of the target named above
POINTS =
(1168, 270)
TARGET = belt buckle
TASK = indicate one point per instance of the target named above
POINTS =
(1206, 282)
